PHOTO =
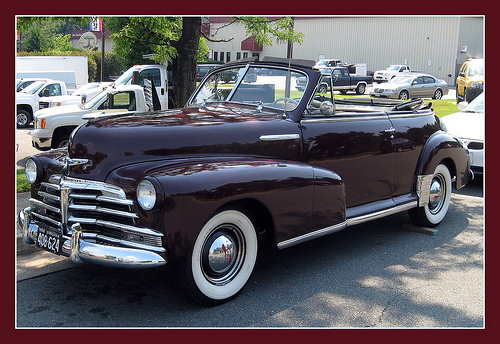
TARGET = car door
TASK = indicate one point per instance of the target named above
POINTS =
(155, 75)
(429, 86)
(356, 146)
(340, 78)
(417, 87)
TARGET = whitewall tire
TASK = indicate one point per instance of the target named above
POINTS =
(222, 259)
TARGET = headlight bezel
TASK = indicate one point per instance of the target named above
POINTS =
(149, 194)
(32, 171)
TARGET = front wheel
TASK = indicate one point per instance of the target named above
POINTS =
(439, 200)
(404, 95)
(222, 259)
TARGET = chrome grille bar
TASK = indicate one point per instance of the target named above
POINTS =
(66, 201)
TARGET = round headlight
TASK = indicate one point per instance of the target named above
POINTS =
(146, 194)
(31, 171)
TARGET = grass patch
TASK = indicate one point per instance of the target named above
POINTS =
(22, 183)
(442, 107)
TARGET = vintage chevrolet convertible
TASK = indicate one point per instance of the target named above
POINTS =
(249, 158)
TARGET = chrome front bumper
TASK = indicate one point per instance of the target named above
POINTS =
(79, 250)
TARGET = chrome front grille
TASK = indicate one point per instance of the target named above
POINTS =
(102, 210)
(43, 105)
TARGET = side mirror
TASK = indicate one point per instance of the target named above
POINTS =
(327, 108)
(462, 74)
(462, 105)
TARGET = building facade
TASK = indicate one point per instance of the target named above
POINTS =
(437, 45)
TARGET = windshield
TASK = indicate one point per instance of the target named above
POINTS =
(393, 67)
(401, 80)
(267, 86)
(91, 103)
(477, 105)
(33, 88)
(476, 69)
(125, 77)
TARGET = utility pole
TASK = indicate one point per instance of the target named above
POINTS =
(102, 53)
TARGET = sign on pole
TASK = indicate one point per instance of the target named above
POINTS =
(95, 24)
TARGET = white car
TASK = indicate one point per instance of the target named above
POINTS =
(468, 125)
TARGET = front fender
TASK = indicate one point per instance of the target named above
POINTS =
(441, 147)
(194, 192)
(297, 197)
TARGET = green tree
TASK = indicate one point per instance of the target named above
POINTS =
(176, 40)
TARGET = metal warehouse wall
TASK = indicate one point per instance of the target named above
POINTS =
(430, 44)
(427, 44)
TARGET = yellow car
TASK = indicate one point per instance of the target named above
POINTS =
(470, 80)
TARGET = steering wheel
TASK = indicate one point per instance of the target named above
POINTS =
(285, 100)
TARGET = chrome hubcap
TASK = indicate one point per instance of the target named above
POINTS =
(222, 255)
(437, 192)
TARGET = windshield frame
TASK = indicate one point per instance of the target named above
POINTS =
(245, 70)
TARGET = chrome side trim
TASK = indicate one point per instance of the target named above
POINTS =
(312, 235)
(424, 189)
(279, 137)
(382, 213)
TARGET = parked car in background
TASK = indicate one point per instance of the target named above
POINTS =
(390, 72)
(27, 99)
(22, 83)
(203, 68)
(79, 96)
(342, 81)
(470, 80)
(412, 85)
(468, 125)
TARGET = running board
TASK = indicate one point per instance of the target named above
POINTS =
(349, 222)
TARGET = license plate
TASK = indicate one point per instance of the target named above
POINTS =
(49, 240)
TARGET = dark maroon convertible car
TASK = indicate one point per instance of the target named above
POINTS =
(249, 158)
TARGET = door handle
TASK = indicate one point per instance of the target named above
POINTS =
(391, 131)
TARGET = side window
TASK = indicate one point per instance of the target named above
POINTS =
(419, 80)
(51, 90)
(337, 73)
(124, 101)
(152, 74)
(429, 80)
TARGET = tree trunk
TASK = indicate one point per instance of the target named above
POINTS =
(185, 64)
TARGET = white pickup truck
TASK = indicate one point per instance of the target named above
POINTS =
(87, 91)
(54, 125)
(27, 99)
(390, 72)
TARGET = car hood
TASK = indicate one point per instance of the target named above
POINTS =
(466, 125)
(112, 142)
(60, 110)
(22, 97)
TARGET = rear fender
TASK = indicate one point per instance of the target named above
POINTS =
(444, 148)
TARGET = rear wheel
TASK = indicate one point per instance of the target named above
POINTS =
(222, 259)
(439, 200)
(438, 94)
